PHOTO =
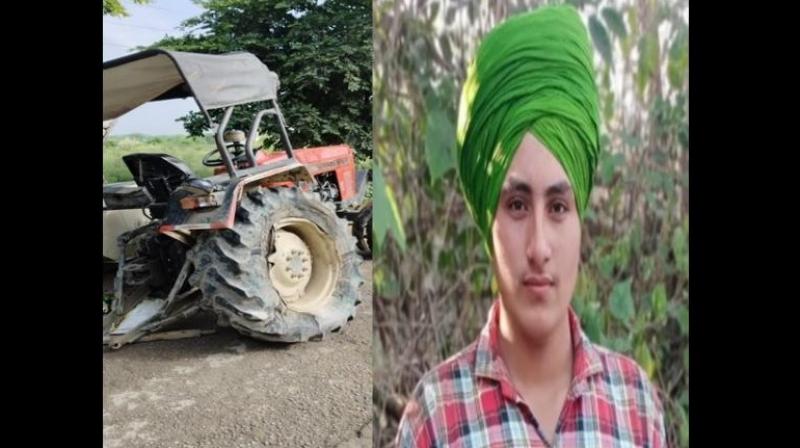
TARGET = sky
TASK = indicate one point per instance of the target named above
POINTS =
(147, 24)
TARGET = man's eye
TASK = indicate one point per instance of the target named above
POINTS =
(559, 208)
(516, 205)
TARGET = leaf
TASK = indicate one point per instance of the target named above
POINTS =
(450, 15)
(592, 323)
(590, 215)
(631, 140)
(578, 301)
(678, 64)
(447, 87)
(636, 237)
(683, 136)
(633, 31)
(686, 364)
(608, 106)
(600, 39)
(682, 315)
(609, 165)
(606, 169)
(648, 60)
(659, 300)
(447, 53)
(606, 265)
(386, 216)
(615, 22)
(440, 140)
(388, 288)
(680, 250)
(621, 345)
(622, 301)
(644, 358)
(589, 287)
(647, 262)
(622, 253)
(434, 10)
(683, 425)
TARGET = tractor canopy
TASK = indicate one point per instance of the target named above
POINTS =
(214, 81)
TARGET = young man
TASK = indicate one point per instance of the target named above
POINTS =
(528, 145)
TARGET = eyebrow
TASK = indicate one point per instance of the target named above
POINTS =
(560, 188)
(515, 185)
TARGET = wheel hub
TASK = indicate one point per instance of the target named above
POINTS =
(291, 265)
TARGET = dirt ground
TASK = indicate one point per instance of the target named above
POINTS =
(227, 390)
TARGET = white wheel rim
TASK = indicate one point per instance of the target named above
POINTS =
(304, 264)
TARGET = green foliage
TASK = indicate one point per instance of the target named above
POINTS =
(615, 22)
(621, 305)
(321, 51)
(114, 8)
(189, 149)
(386, 217)
(440, 143)
(648, 60)
(677, 68)
(600, 38)
(432, 293)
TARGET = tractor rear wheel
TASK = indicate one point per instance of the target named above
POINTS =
(287, 271)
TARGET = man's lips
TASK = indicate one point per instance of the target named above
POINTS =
(538, 281)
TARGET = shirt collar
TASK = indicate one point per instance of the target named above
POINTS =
(489, 364)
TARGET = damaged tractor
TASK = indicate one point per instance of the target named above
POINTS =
(271, 243)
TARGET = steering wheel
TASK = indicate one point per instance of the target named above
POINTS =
(208, 160)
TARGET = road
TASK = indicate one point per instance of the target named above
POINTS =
(226, 390)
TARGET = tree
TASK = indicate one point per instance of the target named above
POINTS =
(115, 8)
(322, 52)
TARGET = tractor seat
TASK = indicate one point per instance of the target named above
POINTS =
(125, 195)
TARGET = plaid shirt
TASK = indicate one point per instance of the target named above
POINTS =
(469, 401)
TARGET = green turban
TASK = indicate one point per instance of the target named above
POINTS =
(532, 73)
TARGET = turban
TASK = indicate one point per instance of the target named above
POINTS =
(532, 73)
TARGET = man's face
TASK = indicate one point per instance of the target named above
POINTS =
(536, 237)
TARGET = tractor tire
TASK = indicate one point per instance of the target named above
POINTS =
(287, 271)
(363, 232)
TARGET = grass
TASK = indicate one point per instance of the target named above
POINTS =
(188, 149)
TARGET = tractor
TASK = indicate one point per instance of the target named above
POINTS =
(271, 243)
